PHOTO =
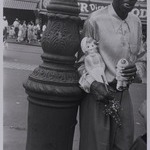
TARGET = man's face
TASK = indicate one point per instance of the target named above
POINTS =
(125, 5)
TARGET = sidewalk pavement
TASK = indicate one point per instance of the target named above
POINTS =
(13, 40)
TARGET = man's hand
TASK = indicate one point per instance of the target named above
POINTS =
(129, 72)
(99, 91)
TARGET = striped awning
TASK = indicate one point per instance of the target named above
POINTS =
(15, 4)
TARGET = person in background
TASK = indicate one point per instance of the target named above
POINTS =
(30, 31)
(20, 33)
(11, 32)
(43, 29)
(16, 27)
(35, 29)
(38, 32)
(118, 33)
(24, 32)
(5, 30)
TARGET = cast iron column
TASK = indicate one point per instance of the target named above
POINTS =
(52, 88)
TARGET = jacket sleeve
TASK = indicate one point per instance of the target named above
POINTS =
(141, 65)
(141, 62)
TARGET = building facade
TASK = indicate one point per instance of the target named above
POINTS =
(35, 10)
(23, 10)
(88, 6)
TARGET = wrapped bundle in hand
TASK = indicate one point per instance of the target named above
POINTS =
(122, 82)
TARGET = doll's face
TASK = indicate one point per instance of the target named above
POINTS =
(91, 47)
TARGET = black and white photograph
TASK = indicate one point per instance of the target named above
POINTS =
(74, 75)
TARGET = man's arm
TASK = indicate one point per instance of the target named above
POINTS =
(135, 72)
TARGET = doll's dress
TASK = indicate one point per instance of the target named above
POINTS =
(95, 66)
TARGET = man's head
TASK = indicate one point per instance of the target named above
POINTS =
(123, 7)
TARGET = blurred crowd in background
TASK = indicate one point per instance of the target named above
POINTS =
(21, 31)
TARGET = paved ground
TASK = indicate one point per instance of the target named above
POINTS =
(13, 40)
(19, 62)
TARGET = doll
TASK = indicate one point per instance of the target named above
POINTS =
(94, 63)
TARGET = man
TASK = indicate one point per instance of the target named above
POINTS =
(38, 32)
(5, 28)
(118, 33)
(16, 27)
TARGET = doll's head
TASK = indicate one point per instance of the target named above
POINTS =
(88, 45)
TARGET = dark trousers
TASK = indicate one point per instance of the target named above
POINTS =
(5, 34)
(99, 132)
(16, 31)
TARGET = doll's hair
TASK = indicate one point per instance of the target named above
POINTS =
(85, 41)
(90, 40)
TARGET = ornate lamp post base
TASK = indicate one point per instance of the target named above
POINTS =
(52, 88)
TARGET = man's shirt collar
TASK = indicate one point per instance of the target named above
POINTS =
(116, 20)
